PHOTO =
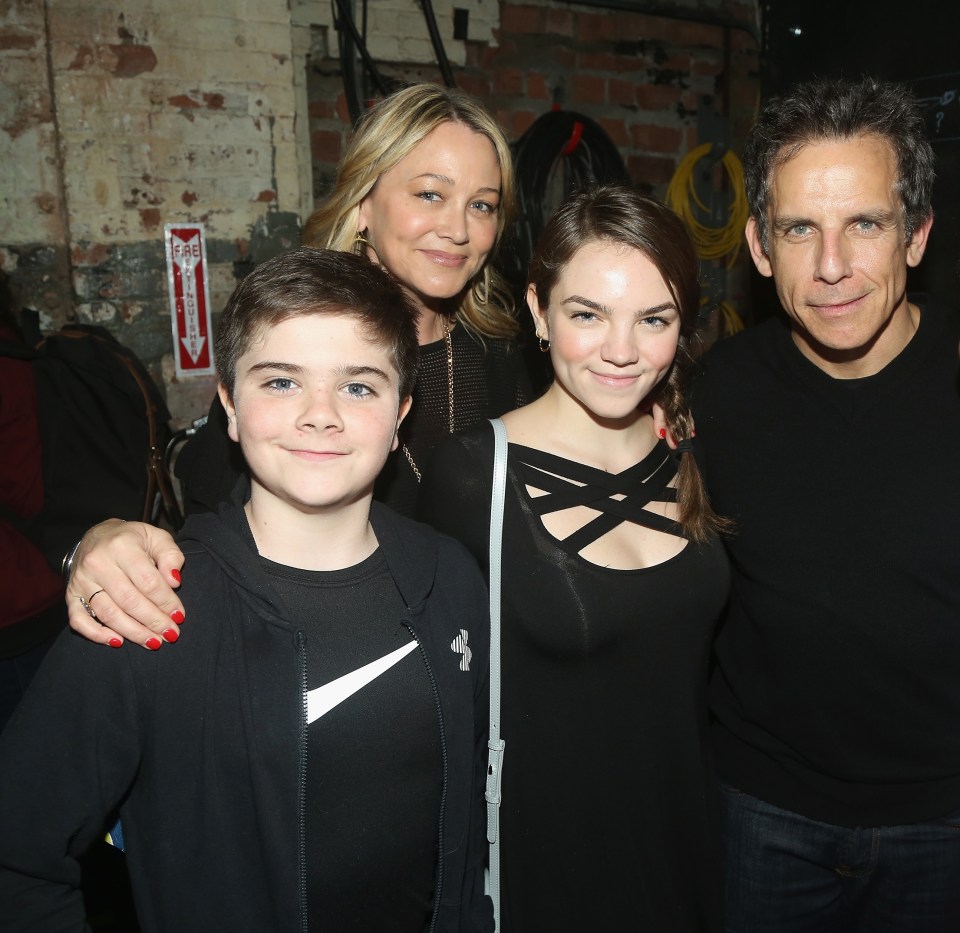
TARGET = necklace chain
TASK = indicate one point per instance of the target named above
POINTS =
(448, 341)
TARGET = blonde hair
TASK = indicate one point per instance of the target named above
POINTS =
(386, 134)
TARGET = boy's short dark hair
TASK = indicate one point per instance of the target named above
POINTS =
(319, 281)
(836, 109)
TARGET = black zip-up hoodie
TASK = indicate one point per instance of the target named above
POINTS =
(203, 744)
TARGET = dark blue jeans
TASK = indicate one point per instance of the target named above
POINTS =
(788, 874)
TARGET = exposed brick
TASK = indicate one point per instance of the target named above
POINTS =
(651, 138)
(46, 202)
(590, 26)
(82, 58)
(705, 66)
(588, 89)
(266, 196)
(14, 39)
(559, 23)
(563, 56)
(132, 60)
(522, 19)
(697, 34)
(521, 121)
(650, 171)
(537, 88)
(89, 254)
(320, 109)
(508, 81)
(621, 92)
(596, 61)
(325, 145)
(616, 130)
(476, 84)
(183, 101)
(657, 96)
(150, 218)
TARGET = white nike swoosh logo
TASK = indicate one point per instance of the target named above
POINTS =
(321, 700)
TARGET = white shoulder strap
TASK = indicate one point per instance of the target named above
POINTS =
(495, 745)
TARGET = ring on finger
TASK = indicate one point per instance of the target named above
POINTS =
(86, 605)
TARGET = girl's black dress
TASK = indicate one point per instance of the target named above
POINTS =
(608, 818)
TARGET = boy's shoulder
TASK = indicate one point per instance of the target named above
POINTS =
(417, 553)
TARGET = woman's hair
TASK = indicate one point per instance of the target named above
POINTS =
(309, 281)
(621, 215)
(386, 134)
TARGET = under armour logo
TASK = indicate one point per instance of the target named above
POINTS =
(460, 646)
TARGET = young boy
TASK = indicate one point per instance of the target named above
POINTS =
(311, 762)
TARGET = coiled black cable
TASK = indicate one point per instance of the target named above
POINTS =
(561, 152)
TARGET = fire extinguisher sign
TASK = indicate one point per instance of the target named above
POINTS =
(189, 299)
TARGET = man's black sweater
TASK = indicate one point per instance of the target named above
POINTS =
(836, 691)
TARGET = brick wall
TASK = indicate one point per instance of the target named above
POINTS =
(646, 79)
(117, 120)
(113, 124)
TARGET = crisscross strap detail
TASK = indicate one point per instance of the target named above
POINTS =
(561, 479)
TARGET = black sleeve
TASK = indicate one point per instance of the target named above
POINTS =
(455, 494)
(511, 383)
(67, 757)
(210, 464)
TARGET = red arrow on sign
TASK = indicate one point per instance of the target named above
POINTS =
(189, 305)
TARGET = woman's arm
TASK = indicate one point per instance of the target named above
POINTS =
(126, 572)
(455, 493)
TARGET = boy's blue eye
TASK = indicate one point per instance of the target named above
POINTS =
(281, 384)
(358, 390)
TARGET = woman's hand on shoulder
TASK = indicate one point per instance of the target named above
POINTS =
(661, 427)
(125, 573)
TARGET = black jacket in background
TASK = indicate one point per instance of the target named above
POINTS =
(203, 744)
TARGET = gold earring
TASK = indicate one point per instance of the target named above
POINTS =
(543, 344)
(360, 246)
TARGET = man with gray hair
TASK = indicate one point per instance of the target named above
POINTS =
(833, 442)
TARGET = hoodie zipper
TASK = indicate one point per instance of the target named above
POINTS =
(443, 787)
(302, 782)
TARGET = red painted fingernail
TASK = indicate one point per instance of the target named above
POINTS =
(177, 616)
(153, 643)
(115, 642)
(175, 574)
(663, 433)
(171, 635)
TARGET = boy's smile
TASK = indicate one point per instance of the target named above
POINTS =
(315, 409)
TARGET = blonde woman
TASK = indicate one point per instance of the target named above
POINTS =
(426, 190)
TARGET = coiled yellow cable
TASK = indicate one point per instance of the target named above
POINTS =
(710, 242)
